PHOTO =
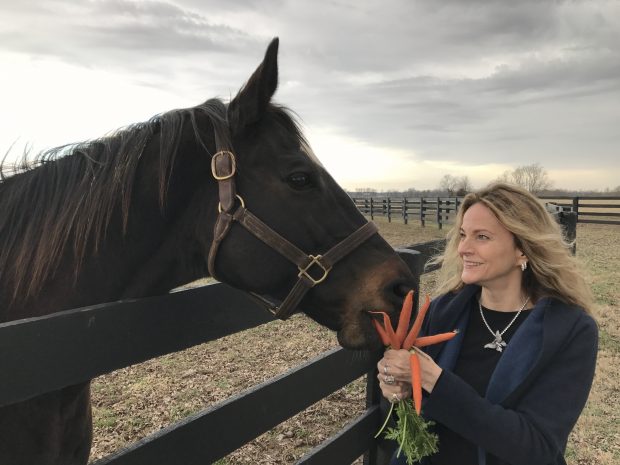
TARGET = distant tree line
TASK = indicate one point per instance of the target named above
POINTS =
(532, 177)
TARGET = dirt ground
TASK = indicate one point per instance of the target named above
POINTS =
(131, 403)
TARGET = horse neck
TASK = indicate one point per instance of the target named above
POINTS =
(170, 246)
(153, 252)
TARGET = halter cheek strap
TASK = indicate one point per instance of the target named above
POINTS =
(313, 269)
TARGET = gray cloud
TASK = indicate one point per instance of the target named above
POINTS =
(446, 80)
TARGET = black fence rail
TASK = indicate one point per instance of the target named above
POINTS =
(439, 210)
(47, 353)
(594, 210)
(442, 210)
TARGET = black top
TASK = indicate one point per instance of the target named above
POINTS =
(532, 400)
(475, 365)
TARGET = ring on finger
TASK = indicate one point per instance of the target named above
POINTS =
(388, 379)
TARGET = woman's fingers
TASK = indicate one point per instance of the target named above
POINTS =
(400, 390)
(429, 370)
(395, 363)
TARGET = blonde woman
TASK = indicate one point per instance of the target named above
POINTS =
(510, 387)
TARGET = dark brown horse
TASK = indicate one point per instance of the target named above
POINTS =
(133, 215)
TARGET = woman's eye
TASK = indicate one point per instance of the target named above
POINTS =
(299, 180)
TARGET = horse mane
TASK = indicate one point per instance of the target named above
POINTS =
(66, 196)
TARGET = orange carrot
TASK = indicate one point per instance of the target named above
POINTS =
(416, 382)
(405, 317)
(435, 339)
(387, 325)
(417, 325)
(382, 334)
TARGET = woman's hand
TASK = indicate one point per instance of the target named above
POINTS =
(395, 373)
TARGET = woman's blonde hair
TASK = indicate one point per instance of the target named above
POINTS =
(552, 270)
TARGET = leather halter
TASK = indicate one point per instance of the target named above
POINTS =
(224, 167)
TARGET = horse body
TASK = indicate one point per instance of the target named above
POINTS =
(133, 216)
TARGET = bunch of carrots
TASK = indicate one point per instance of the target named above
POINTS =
(425, 443)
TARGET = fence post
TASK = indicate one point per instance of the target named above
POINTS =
(422, 211)
(372, 216)
(389, 209)
(576, 207)
(439, 211)
(568, 220)
(381, 450)
(405, 210)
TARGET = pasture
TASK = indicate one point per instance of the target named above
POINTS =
(129, 404)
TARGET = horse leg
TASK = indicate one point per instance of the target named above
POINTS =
(51, 429)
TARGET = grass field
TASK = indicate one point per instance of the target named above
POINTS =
(136, 401)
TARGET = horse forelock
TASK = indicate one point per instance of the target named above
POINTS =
(289, 120)
(65, 197)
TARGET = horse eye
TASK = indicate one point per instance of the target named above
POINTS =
(299, 180)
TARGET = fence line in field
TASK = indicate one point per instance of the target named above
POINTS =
(442, 210)
(439, 210)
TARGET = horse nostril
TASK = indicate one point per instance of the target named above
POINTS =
(401, 289)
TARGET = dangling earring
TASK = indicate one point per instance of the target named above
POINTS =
(523, 266)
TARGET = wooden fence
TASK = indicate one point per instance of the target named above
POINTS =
(595, 210)
(442, 210)
(47, 353)
(439, 210)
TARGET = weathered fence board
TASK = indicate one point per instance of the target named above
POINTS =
(350, 443)
(210, 435)
(50, 352)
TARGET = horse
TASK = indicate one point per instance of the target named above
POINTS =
(226, 190)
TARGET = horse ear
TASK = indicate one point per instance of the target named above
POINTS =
(252, 100)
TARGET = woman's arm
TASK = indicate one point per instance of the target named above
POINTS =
(536, 429)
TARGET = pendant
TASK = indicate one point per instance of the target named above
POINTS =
(498, 344)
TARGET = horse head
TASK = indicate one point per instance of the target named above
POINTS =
(280, 183)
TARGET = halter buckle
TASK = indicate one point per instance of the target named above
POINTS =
(233, 163)
(315, 261)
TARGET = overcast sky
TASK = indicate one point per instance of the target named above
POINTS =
(392, 94)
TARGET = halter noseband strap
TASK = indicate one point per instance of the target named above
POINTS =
(223, 167)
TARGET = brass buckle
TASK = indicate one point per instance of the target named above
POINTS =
(315, 261)
(223, 177)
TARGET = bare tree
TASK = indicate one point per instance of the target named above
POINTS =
(455, 185)
(464, 186)
(447, 183)
(532, 177)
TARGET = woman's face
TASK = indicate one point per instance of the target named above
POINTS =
(490, 257)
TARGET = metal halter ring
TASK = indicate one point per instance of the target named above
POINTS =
(314, 261)
(219, 205)
(385, 367)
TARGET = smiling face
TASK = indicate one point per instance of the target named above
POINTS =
(490, 256)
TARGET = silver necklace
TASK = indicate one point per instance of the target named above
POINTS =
(498, 343)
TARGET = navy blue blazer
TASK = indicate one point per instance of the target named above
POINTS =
(537, 391)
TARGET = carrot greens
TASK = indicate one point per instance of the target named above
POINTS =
(412, 432)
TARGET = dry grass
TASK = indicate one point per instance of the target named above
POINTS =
(133, 402)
